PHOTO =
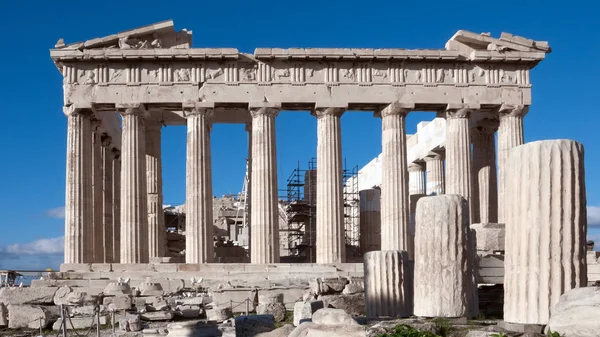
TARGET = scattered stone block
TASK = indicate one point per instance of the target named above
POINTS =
(27, 295)
(443, 282)
(86, 310)
(157, 316)
(188, 311)
(353, 288)
(276, 309)
(545, 203)
(329, 316)
(119, 302)
(150, 289)
(219, 314)
(117, 288)
(577, 312)
(27, 316)
(323, 286)
(387, 284)
(312, 329)
(130, 323)
(156, 304)
(303, 311)
(284, 331)
(254, 324)
(352, 304)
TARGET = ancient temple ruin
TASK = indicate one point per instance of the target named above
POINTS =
(151, 77)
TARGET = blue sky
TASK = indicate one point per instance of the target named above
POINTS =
(32, 172)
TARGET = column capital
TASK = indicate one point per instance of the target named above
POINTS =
(128, 109)
(415, 167)
(269, 111)
(460, 110)
(513, 110)
(73, 110)
(434, 155)
(198, 108)
(331, 111)
(395, 108)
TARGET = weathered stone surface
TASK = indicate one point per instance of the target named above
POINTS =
(323, 286)
(576, 313)
(303, 311)
(254, 324)
(276, 309)
(219, 314)
(353, 288)
(150, 289)
(387, 284)
(329, 316)
(443, 281)
(119, 302)
(3, 315)
(117, 288)
(188, 311)
(86, 310)
(27, 295)
(157, 304)
(270, 298)
(489, 236)
(130, 323)
(352, 304)
(27, 316)
(370, 219)
(157, 316)
(310, 329)
(546, 205)
(284, 331)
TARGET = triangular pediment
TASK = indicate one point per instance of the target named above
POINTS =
(161, 35)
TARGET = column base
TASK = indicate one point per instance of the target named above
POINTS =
(522, 327)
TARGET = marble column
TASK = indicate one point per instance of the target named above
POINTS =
(370, 220)
(485, 193)
(78, 200)
(458, 152)
(134, 196)
(107, 200)
(394, 182)
(199, 243)
(436, 182)
(416, 179)
(248, 215)
(95, 241)
(510, 134)
(156, 216)
(264, 215)
(116, 203)
(330, 236)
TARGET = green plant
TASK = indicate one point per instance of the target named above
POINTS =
(442, 326)
(407, 331)
(498, 334)
(553, 334)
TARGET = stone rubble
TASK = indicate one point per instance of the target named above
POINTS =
(303, 311)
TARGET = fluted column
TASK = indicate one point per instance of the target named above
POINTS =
(116, 202)
(436, 182)
(416, 179)
(546, 227)
(96, 241)
(388, 286)
(485, 192)
(370, 219)
(510, 135)
(249, 186)
(394, 182)
(107, 200)
(458, 152)
(264, 212)
(134, 197)
(156, 217)
(78, 191)
(330, 236)
(199, 245)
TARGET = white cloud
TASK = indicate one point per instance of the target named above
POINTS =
(49, 246)
(593, 216)
(58, 212)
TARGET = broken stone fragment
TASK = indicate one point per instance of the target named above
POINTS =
(150, 289)
(27, 316)
(117, 288)
(329, 316)
(27, 295)
(219, 314)
(323, 286)
(303, 311)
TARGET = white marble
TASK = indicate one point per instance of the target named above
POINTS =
(156, 218)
